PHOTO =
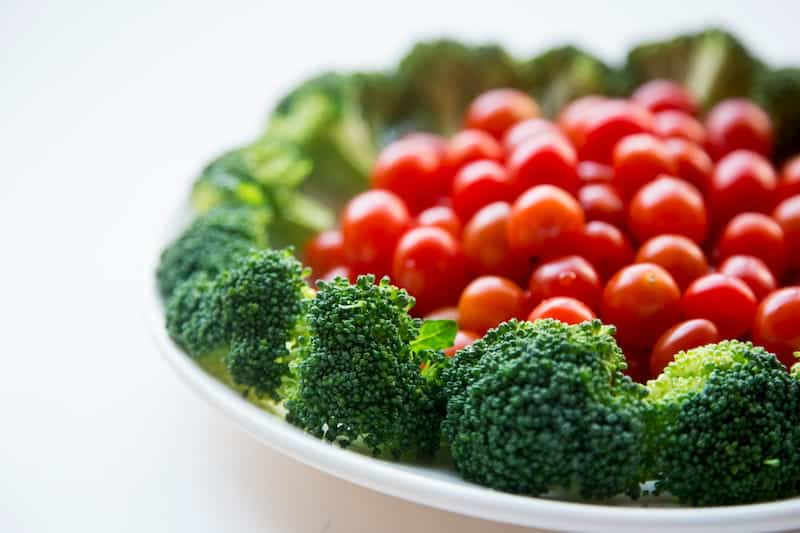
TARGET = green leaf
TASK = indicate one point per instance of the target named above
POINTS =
(435, 335)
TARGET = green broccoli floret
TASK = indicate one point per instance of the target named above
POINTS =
(778, 91)
(723, 426)
(361, 377)
(213, 242)
(194, 315)
(535, 407)
(226, 181)
(712, 64)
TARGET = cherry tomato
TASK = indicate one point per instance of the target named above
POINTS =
(444, 313)
(678, 255)
(638, 360)
(495, 111)
(726, 301)
(742, 181)
(463, 339)
(668, 205)
(605, 247)
(679, 338)
(753, 271)
(563, 308)
(738, 124)
(486, 246)
(441, 216)
(775, 325)
(694, 164)
(789, 183)
(437, 142)
(324, 251)
(642, 301)
(372, 223)
(605, 124)
(412, 169)
(467, 146)
(594, 172)
(787, 214)
(664, 95)
(758, 235)
(544, 221)
(429, 264)
(571, 275)
(572, 119)
(601, 201)
(543, 159)
(638, 160)
(677, 124)
(527, 129)
(478, 184)
(488, 301)
(341, 271)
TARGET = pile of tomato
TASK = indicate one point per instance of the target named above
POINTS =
(673, 227)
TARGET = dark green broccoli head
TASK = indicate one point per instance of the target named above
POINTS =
(778, 91)
(360, 379)
(724, 426)
(545, 406)
(194, 317)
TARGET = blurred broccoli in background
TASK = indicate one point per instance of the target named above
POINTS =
(778, 91)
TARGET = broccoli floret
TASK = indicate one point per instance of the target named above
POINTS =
(712, 64)
(535, 407)
(194, 317)
(778, 91)
(226, 181)
(723, 425)
(213, 242)
(360, 378)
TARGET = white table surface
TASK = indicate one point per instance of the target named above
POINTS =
(106, 113)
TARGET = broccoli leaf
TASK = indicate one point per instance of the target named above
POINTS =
(435, 335)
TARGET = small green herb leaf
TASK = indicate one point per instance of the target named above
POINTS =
(435, 335)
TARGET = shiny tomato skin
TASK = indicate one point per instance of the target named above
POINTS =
(486, 246)
(605, 247)
(642, 301)
(527, 129)
(441, 216)
(601, 201)
(676, 254)
(594, 172)
(467, 146)
(638, 361)
(478, 184)
(429, 264)
(789, 182)
(562, 308)
(444, 313)
(665, 95)
(693, 163)
(753, 271)
(412, 169)
(371, 224)
(668, 205)
(639, 159)
(543, 159)
(571, 276)
(681, 337)
(324, 251)
(488, 301)
(545, 221)
(741, 181)
(341, 271)
(572, 119)
(677, 124)
(775, 325)
(738, 124)
(496, 110)
(726, 301)
(787, 214)
(605, 124)
(463, 339)
(755, 234)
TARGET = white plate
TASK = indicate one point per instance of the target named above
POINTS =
(443, 488)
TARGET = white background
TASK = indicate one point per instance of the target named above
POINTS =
(107, 110)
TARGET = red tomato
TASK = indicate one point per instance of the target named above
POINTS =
(758, 235)
(444, 313)
(679, 256)
(441, 216)
(694, 164)
(429, 264)
(372, 223)
(789, 183)
(412, 169)
(489, 301)
(727, 302)
(544, 159)
(677, 124)
(485, 242)
(787, 214)
(495, 111)
(638, 360)
(527, 129)
(638, 160)
(741, 181)
(467, 146)
(738, 124)
(605, 124)
(642, 301)
(437, 142)
(572, 118)
(593, 172)
(601, 201)
(544, 221)
(663, 95)
(571, 276)
(324, 251)
(776, 321)
(668, 205)
(339, 272)
(463, 339)
(753, 271)
(478, 184)
(605, 247)
(563, 308)
(679, 338)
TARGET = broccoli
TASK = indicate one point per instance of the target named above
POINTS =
(778, 91)
(226, 181)
(212, 243)
(194, 317)
(723, 426)
(535, 407)
(363, 377)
